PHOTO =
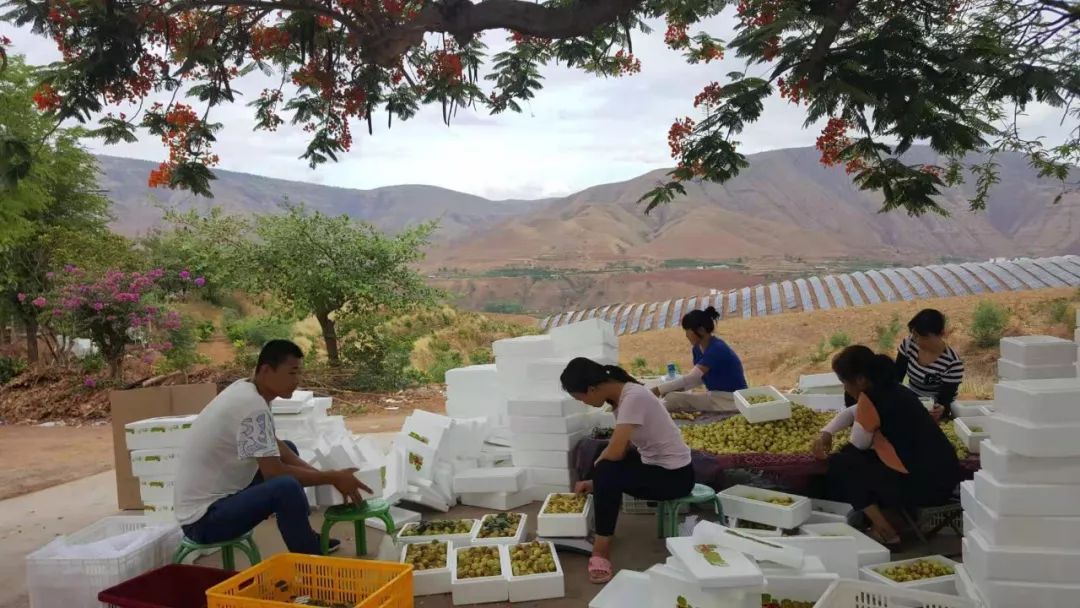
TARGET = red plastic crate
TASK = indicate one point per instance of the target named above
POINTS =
(172, 586)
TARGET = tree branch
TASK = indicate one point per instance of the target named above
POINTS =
(815, 60)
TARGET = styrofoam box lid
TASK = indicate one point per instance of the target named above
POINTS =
(161, 421)
(738, 571)
(1040, 401)
(540, 345)
(492, 473)
(758, 548)
(812, 381)
(472, 373)
(1013, 348)
(812, 564)
(862, 541)
(622, 591)
(1012, 467)
(1028, 564)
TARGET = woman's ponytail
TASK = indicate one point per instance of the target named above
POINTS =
(617, 373)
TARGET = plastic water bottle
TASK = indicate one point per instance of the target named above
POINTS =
(672, 371)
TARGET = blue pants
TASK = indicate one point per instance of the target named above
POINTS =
(238, 514)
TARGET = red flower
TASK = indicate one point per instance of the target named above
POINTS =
(46, 98)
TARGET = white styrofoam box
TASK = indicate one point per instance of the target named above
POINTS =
(863, 594)
(1022, 531)
(429, 495)
(460, 540)
(987, 410)
(839, 554)
(494, 456)
(553, 442)
(738, 570)
(817, 402)
(971, 431)
(1015, 594)
(162, 511)
(1027, 564)
(296, 403)
(433, 419)
(567, 425)
(1009, 370)
(777, 408)
(707, 532)
(474, 392)
(328, 496)
(545, 407)
(603, 354)
(466, 437)
(419, 457)
(321, 405)
(55, 579)
(502, 479)
(964, 408)
(397, 477)
(423, 431)
(587, 333)
(464, 464)
(161, 432)
(514, 539)
(369, 452)
(564, 525)
(969, 524)
(432, 581)
(669, 582)
(623, 590)
(444, 481)
(530, 347)
(159, 461)
(965, 586)
(1038, 350)
(739, 501)
(332, 427)
(541, 458)
(941, 584)
(827, 383)
(531, 587)
(497, 501)
(483, 590)
(823, 517)
(869, 551)
(1010, 467)
(798, 588)
(399, 515)
(1035, 440)
(156, 489)
(548, 477)
(1040, 401)
(294, 425)
(754, 528)
(830, 507)
(1052, 500)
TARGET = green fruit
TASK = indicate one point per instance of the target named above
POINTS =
(532, 558)
(759, 399)
(426, 556)
(500, 525)
(916, 571)
(439, 527)
(476, 562)
(565, 503)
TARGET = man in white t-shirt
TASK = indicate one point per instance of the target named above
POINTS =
(234, 473)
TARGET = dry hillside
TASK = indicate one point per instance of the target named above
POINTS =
(776, 350)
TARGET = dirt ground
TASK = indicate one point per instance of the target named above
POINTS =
(35, 458)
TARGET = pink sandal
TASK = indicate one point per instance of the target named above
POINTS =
(599, 570)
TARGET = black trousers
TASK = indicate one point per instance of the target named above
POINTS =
(612, 479)
(861, 479)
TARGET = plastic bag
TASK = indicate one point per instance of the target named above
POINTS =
(686, 528)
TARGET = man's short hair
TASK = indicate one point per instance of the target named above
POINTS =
(276, 352)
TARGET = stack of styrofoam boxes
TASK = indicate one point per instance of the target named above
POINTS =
(821, 392)
(1037, 358)
(155, 445)
(473, 392)
(1022, 511)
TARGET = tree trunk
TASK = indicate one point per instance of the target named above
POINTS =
(32, 340)
(116, 368)
(329, 337)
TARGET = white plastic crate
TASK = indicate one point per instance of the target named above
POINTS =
(1010, 370)
(160, 461)
(531, 587)
(459, 540)
(162, 432)
(1038, 350)
(1053, 532)
(870, 552)
(1010, 467)
(564, 525)
(501, 479)
(498, 501)
(941, 584)
(433, 580)
(1054, 401)
(862, 594)
(739, 501)
(1025, 564)
(548, 425)
(964, 408)
(482, 590)
(1033, 500)
(1038, 441)
(545, 407)
(777, 408)
(541, 458)
(70, 582)
(514, 539)
(626, 588)
(550, 442)
(156, 489)
(971, 431)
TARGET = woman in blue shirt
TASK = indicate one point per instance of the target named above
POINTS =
(715, 365)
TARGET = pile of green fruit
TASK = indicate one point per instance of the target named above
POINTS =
(783, 501)
(759, 399)
(426, 556)
(531, 558)
(916, 571)
(500, 525)
(957, 444)
(565, 503)
(439, 527)
(476, 562)
(768, 601)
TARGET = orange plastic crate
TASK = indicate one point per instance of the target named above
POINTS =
(329, 581)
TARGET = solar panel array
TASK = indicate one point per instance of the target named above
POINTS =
(840, 291)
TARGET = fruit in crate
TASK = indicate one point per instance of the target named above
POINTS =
(759, 399)
(419, 437)
(306, 600)
(416, 460)
(915, 571)
(783, 501)
(768, 601)
(500, 525)
(710, 555)
(439, 527)
(566, 503)
(476, 562)
(531, 558)
(426, 556)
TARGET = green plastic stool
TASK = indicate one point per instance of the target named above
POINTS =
(374, 508)
(245, 543)
(667, 511)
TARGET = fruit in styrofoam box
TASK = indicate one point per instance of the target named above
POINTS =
(477, 562)
(976, 428)
(759, 399)
(768, 601)
(499, 525)
(566, 503)
(916, 571)
(531, 558)
(439, 527)
(783, 501)
(426, 556)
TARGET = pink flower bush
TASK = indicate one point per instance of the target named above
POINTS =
(40, 302)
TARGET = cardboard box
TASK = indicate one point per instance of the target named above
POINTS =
(139, 404)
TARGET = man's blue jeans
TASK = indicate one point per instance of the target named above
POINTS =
(235, 515)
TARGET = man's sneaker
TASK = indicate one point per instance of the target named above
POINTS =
(335, 544)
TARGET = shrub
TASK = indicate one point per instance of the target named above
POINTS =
(481, 356)
(885, 336)
(822, 353)
(257, 331)
(204, 331)
(639, 366)
(181, 354)
(504, 307)
(10, 367)
(445, 360)
(988, 324)
(839, 340)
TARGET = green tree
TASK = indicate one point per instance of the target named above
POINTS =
(884, 73)
(307, 263)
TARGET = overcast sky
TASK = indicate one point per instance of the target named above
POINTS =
(578, 132)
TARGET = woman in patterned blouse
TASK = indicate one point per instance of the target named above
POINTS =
(932, 367)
